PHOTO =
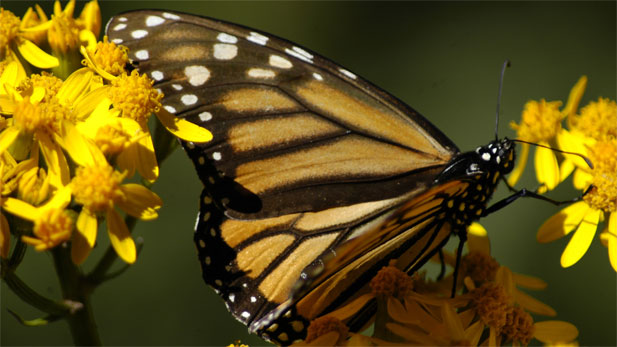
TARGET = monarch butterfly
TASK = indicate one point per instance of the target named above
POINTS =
(315, 178)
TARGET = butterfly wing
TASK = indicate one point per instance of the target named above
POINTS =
(286, 122)
(306, 159)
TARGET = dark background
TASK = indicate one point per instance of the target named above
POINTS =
(441, 58)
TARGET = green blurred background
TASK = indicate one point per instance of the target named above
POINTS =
(441, 58)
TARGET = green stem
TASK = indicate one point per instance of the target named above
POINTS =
(75, 288)
(98, 275)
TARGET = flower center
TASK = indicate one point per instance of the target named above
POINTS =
(50, 84)
(325, 324)
(134, 96)
(598, 119)
(479, 266)
(111, 139)
(63, 35)
(603, 196)
(110, 57)
(391, 282)
(541, 121)
(53, 227)
(519, 326)
(492, 304)
(97, 187)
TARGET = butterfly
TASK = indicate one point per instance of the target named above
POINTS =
(314, 179)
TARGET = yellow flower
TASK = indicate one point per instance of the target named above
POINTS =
(52, 223)
(133, 97)
(600, 203)
(99, 190)
(16, 36)
(541, 124)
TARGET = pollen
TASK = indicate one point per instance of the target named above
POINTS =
(603, 195)
(63, 35)
(53, 227)
(110, 57)
(111, 139)
(598, 120)
(492, 304)
(391, 282)
(97, 187)
(51, 84)
(541, 121)
(519, 326)
(8, 30)
(479, 266)
(134, 96)
(28, 116)
(325, 324)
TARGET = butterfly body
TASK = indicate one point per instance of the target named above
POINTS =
(314, 179)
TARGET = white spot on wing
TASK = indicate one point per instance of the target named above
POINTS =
(119, 27)
(196, 74)
(300, 54)
(253, 299)
(170, 109)
(232, 297)
(260, 73)
(280, 62)
(157, 75)
(245, 314)
(317, 76)
(226, 38)
(152, 21)
(216, 156)
(205, 116)
(171, 16)
(117, 41)
(486, 156)
(176, 86)
(189, 99)
(257, 38)
(348, 73)
(122, 19)
(142, 54)
(138, 34)
(224, 51)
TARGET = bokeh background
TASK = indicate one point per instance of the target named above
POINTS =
(443, 59)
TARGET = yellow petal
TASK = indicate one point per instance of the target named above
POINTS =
(36, 56)
(140, 202)
(94, 101)
(612, 239)
(182, 128)
(452, 322)
(59, 200)
(58, 168)
(21, 209)
(80, 248)
(352, 308)
(75, 144)
(575, 97)
(120, 237)
(147, 166)
(7, 105)
(8, 77)
(477, 239)
(533, 305)
(7, 137)
(566, 168)
(581, 179)
(74, 86)
(504, 276)
(551, 332)
(575, 143)
(580, 241)
(528, 281)
(87, 226)
(562, 223)
(547, 168)
(518, 170)
(5, 237)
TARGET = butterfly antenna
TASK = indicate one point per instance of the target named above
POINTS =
(587, 160)
(503, 72)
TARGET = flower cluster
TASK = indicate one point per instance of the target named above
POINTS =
(489, 310)
(591, 133)
(73, 128)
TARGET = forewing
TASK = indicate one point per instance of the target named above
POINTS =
(287, 123)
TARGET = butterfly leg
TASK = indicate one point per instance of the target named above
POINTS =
(459, 253)
(527, 193)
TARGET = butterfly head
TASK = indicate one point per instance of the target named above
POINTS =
(499, 154)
